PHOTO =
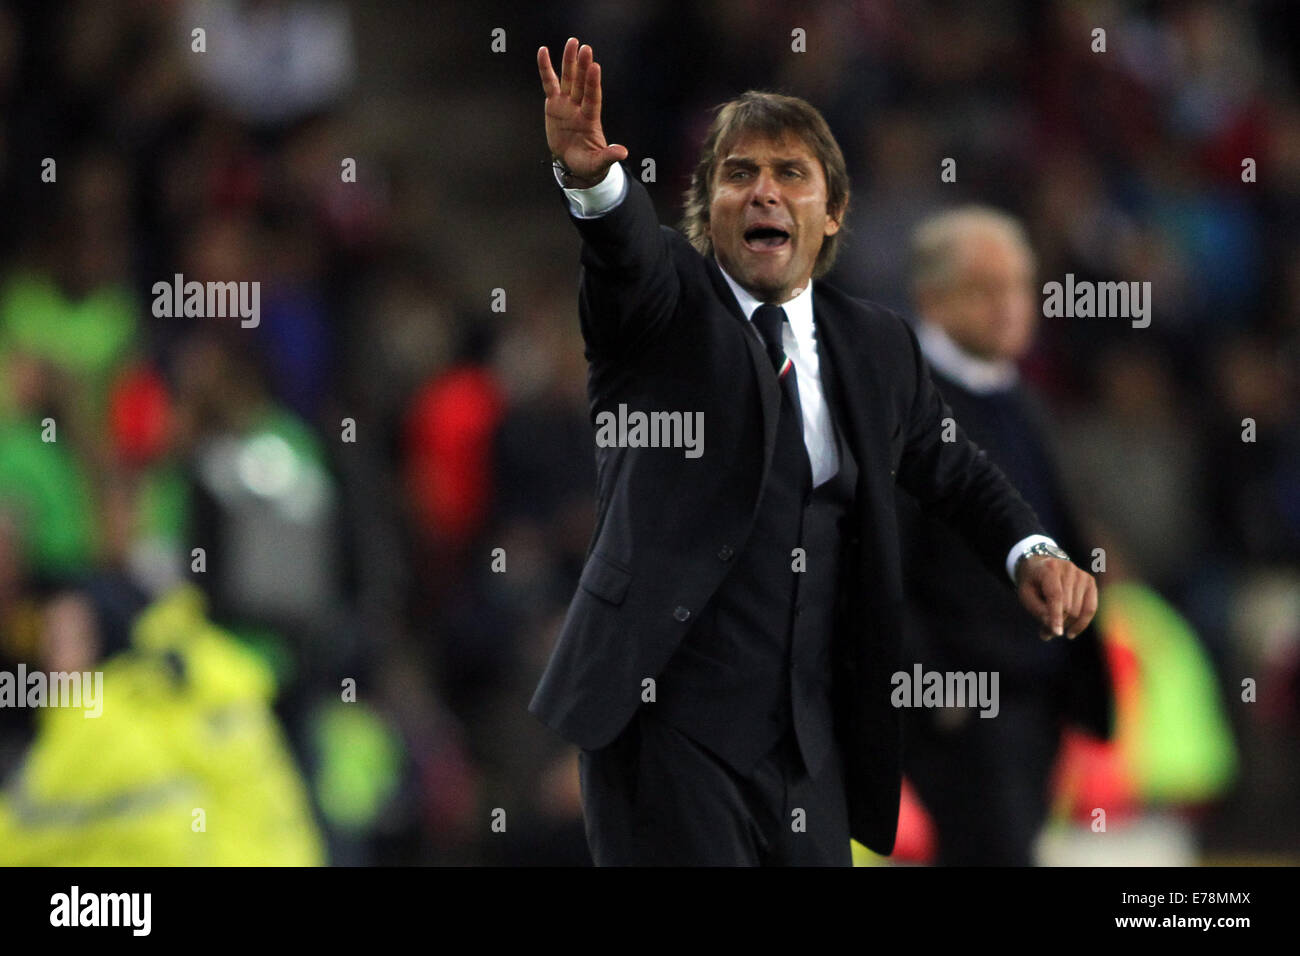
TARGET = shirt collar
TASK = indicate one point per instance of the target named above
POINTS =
(798, 310)
(975, 374)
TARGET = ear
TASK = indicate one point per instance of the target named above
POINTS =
(833, 218)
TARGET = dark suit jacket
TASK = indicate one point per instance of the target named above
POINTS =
(958, 619)
(664, 332)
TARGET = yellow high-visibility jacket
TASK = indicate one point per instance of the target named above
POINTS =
(186, 765)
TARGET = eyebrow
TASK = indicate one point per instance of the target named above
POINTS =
(750, 162)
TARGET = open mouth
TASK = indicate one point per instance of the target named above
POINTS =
(762, 238)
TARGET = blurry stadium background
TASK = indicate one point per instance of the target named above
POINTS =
(334, 567)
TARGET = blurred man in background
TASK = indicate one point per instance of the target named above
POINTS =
(986, 781)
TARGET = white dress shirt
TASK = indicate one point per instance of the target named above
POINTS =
(979, 375)
(799, 339)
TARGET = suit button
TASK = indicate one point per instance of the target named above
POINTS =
(726, 552)
(681, 613)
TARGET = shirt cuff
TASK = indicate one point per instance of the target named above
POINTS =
(1018, 549)
(600, 198)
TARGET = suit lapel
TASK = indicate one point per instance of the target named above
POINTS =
(842, 369)
(858, 383)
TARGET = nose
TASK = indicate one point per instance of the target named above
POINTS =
(766, 190)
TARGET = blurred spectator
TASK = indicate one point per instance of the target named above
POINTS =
(985, 782)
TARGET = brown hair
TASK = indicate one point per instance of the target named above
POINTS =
(772, 116)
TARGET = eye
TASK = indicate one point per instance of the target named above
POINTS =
(793, 172)
(738, 172)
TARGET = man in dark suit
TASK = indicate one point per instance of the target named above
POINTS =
(985, 782)
(725, 665)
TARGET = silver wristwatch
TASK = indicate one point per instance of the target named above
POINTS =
(563, 171)
(1041, 548)
(565, 174)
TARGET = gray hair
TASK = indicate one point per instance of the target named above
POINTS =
(936, 240)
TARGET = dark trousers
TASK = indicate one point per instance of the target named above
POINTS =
(985, 782)
(654, 797)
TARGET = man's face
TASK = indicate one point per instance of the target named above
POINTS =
(988, 307)
(761, 190)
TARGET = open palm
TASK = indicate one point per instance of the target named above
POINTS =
(573, 130)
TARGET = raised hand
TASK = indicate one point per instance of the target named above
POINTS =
(573, 130)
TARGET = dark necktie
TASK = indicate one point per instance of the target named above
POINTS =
(770, 321)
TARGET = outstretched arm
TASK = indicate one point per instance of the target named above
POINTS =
(955, 481)
(630, 287)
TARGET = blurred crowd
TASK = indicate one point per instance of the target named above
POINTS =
(336, 479)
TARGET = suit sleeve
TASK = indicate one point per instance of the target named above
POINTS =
(629, 288)
(954, 480)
